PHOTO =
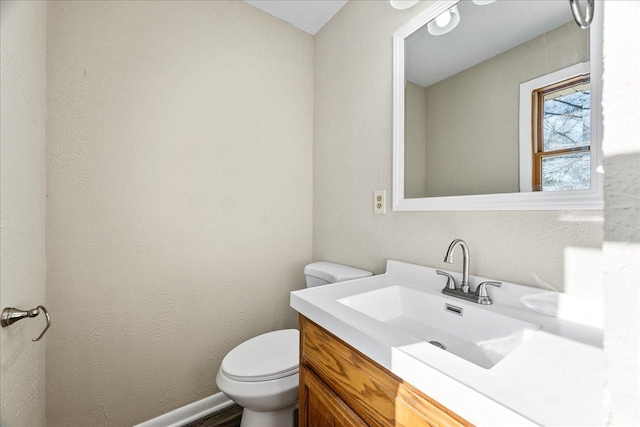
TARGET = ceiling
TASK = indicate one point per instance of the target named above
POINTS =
(308, 15)
(483, 32)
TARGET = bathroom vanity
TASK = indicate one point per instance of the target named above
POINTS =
(388, 350)
(339, 386)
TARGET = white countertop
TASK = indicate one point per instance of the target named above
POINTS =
(555, 378)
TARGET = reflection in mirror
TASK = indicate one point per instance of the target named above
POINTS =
(557, 131)
(465, 121)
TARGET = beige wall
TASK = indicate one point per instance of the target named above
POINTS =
(621, 245)
(23, 210)
(352, 157)
(415, 136)
(179, 210)
(475, 149)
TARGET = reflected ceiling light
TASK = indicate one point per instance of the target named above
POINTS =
(444, 22)
(483, 2)
(403, 4)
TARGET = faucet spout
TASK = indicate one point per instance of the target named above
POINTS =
(464, 286)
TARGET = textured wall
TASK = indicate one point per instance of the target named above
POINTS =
(414, 148)
(621, 247)
(179, 211)
(23, 210)
(352, 157)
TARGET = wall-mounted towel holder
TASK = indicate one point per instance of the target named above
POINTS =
(585, 19)
(11, 315)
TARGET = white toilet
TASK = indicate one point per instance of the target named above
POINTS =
(261, 374)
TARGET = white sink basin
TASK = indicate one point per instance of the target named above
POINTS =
(530, 342)
(472, 333)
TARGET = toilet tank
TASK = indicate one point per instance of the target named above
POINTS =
(323, 273)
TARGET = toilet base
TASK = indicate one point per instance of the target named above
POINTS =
(278, 418)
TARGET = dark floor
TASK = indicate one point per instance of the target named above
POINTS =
(227, 417)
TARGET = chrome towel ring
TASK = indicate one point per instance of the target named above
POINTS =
(11, 315)
(583, 20)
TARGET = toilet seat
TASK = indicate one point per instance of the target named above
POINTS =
(266, 357)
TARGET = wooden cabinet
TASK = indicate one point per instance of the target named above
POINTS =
(339, 386)
(320, 407)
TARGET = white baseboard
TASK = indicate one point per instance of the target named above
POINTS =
(190, 412)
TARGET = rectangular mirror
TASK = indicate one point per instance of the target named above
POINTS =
(496, 107)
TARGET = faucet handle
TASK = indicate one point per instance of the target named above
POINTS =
(451, 283)
(481, 292)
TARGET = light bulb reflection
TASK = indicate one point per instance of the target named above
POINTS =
(444, 22)
(443, 19)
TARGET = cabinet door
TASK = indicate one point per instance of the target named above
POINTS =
(376, 395)
(320, 407)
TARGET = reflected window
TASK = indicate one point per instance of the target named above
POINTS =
(561, 115)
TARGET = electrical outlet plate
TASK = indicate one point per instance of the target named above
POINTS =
(379, 202)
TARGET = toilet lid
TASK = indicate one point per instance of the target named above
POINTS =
(265, 357)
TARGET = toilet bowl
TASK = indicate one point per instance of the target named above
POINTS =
(262, 374)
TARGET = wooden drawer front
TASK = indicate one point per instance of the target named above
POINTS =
(377, 396)
(320, 407)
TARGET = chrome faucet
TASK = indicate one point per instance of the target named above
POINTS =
(464, 286)
(480, 296)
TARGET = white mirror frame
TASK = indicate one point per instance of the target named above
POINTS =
(558, 200)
